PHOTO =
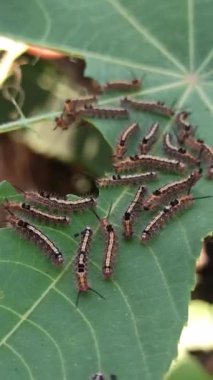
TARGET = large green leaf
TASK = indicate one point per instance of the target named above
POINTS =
(189, 369)
(133, 333)
(195, 337)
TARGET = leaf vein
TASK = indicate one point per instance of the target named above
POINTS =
(44, 331)
(166, 284)
(26, 366)
(139, 341)
(146, 34)
(191, 33)
(204, 98)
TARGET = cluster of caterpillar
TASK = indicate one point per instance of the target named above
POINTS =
(75, 110)
(167, 200)
(173, 197)
(53, 203)
(15, 211)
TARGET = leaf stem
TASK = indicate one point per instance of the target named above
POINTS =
(25, 122)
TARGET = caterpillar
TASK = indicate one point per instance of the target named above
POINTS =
(122, 85)
(132, 212)
(147, 106)
(167, 192)
(178, 153)
(131, 180)
(111, 246)
(149, 139)
(145, 161)
(183, 123)
(71, 111)
(199, 145)
(207, 153)
(185, 129)
(57, 203)
(105, 113)
(81, 263)
(32, 233)
(37, 214)
(175, 206)
(65, 120)
(121, 145)
(193, 143)
(71, 105)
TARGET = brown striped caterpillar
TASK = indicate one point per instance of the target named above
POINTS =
(65, 120)
(132, 212)
(194, 144)
(81, 263)
(121, 148)
(131, 180)
(179, 153)
(207, 153)
(56, 203)
(147, 106)
(185, 129)
(122, 85)
(71, 110)
(103, 113)
(35, 213)
(111, 246)
(32, 233)
(72, 105)
(145, 161)
(167, 192)
(175, 206)
(149, 139)
(183, 123)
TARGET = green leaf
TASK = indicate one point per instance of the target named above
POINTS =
(196, 336)
(147, 299)
(188, 369)
(133, 333)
